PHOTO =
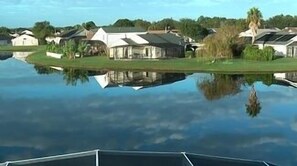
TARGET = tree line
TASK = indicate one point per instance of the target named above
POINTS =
(194, 28)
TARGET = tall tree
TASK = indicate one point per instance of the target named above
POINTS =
(192, 28)
(254, 17)
(89, 25)
(142, 24)
(4, 30)
(123, 23)
(41, 30)
(167, 23)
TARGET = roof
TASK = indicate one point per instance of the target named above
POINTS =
(116, 158)
(123, 29)
(130, 41)
(162, 38)
(290, 29)
(68, 33)
(158, 40)
(260, 32)
(275, 38)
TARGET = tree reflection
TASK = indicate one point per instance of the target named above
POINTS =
(44, 70)
(267, 79)
(220, 85)
(72, 76)
(253, 107)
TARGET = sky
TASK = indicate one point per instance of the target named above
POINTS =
(24, 13)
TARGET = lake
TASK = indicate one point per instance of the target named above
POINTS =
(50, 111)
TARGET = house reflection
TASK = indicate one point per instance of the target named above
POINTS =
(21, 55)
(286, 79)
(137, 80)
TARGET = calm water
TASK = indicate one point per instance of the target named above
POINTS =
(45, 111)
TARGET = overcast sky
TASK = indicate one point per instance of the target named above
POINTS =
(24, 13)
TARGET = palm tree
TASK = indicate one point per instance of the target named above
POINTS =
(253, 107)
(254, 17)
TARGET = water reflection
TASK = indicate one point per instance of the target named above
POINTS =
(106, 79)
(5, 55)
(220, 85)
(17, 55)
(21, 55)
(137, 80)
(253, 106)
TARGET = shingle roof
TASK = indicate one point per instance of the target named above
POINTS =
(123, 29)
(166, 38)
(130, 41)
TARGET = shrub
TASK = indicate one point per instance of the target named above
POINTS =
(52, 47)
(223, 44)
(254, 53)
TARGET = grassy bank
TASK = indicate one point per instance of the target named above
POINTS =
(22, 48)
(177, 65)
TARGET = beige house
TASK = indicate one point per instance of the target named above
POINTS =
(148, 46)
(25, 40)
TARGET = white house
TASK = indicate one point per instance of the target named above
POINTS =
(284, 44)
(109, 35)
(25, 40)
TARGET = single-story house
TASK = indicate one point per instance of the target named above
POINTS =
(74, 34)
(284, 44)
(148, 46)
(25, 40)
(137, 80)
(111, 34)
(5, 39)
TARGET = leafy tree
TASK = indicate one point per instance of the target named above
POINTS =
(192, 29)
(123, 23)
(167, 23)
(142, 24)
(281, 21)
(89, 25)
(254, 17)
(81, 48)
(223, 44)
(41, 30)
(253, 107)
(4, 30)
(69, 49)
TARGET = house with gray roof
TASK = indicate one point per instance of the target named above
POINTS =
(148, 46)
(284, 44)
(109, 35)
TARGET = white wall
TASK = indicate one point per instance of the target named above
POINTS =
(110, 38)
(24, 40)
(280, 50)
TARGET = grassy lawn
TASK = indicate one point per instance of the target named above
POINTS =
(22, 48)
(177, 65)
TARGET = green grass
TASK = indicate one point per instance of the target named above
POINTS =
(22, 48)
(176, 65)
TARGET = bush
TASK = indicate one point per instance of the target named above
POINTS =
(52, 47)
(254, 53)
